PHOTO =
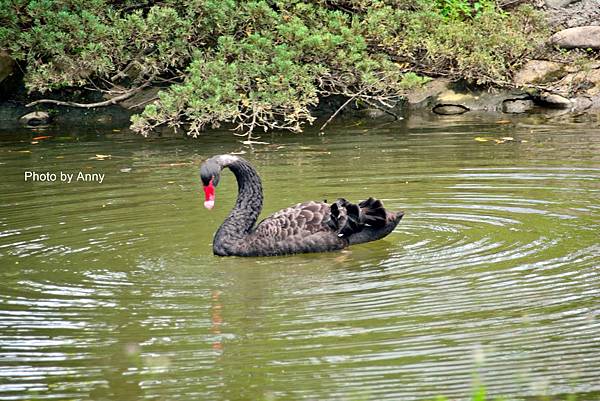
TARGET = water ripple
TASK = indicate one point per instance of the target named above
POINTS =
(110, 291)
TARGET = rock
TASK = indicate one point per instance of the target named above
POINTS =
(539, 71)
(578, 13)
(35, 118)
(588, 80)
(424, 95)
(582, 81)
(555, 101)
(457, 95)
(593, 76)
(516, 106)
(450, 109)
(589, 65)
(7, 65)
(465, 98)
(595, 103)
(582, 103)
(558, 3)
(583, 37)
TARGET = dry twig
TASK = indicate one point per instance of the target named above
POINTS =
(108, 102)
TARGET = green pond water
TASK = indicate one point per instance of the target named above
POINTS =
(110, 291)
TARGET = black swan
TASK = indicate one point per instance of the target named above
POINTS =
(306, 227)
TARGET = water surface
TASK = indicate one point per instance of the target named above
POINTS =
(110, 290)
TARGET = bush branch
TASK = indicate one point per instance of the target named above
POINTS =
(108, 102)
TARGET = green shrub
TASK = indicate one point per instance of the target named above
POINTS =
(260, 64)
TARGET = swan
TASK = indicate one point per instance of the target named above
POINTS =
(306, 227)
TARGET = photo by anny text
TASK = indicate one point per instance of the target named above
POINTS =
(64, 177)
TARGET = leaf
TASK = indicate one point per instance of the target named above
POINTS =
(254, 143)
(504, 139)
(174, 164)
(100, 157)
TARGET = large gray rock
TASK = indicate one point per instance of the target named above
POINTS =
(583, 37)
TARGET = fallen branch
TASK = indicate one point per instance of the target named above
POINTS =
(108, 102)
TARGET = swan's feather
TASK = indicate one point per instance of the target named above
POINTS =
(311, 226)
(296, 221)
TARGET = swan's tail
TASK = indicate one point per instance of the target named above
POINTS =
(373, 212)
(348, 218)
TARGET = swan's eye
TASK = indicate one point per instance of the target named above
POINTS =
(207, 181)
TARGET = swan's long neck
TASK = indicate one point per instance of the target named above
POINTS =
(248, 206)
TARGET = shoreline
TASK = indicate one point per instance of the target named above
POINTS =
(561, 79)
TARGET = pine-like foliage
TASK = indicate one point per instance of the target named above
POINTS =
(260, 64)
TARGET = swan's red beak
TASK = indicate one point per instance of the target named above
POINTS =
(209, 195)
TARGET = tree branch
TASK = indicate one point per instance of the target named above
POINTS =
(108, 102)
(338, 110)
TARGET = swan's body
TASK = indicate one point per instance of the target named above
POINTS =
(305, 227)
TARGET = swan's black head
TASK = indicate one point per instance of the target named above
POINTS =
(210, 173)
(210, 170)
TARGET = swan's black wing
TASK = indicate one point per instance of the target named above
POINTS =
(301, 220)
(296, 229)
(315, 227)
